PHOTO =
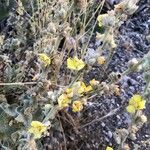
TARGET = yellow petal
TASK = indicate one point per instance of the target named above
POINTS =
(35, 132)
(130, 109)
(141, 105)
(83, 85)
(81, 90)
(71, 64)
(80, 65)
(37, 128)
(75, 63)
(36, 124)
(94, 82)
(69, 92)
(42, 129)
(88, 88)
(31, 130)
(63, 101)
(109, 148)
(37, 136)
(135, 99)
(137, 102)
(45, 59)
(77, 106)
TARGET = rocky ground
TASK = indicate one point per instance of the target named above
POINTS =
(132, 43)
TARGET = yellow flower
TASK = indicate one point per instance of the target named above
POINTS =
(130, 109)
(94, 82)
(45, 59)
(101, 60)
(109, 148)
(75, 63)
(136, 103)
(63, 101)
(69, 92)
(88, 88)
(84, 89)
(77, 106)
(79, 88)
(37, 128)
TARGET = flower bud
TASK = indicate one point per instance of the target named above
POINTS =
(143, 118)
(133, 136)
(132, 62)
(51, 28)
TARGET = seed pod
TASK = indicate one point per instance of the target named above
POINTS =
(70, 43)
(126, 147)
(134, 129)
(115, 76)
(62, 13)
(143, 118)
(132, 62)
(51, 28)
(133, 136)
(81, 4)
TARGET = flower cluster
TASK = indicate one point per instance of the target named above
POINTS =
(45, 59)
(64, 100)
(37, 128)
(82, 88)
(75, 63)
(77, 106)
(107, 20)
(135, 107)
(74, 95)
(136, 103)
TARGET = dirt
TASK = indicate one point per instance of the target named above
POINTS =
(132, 43)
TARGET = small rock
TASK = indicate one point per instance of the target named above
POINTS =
(103, 124)
(106, 139)
(132, 89)
(110, 134)
(118, 117)
(146, 135)
(98, 43)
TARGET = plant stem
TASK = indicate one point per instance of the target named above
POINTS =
(18, 83)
